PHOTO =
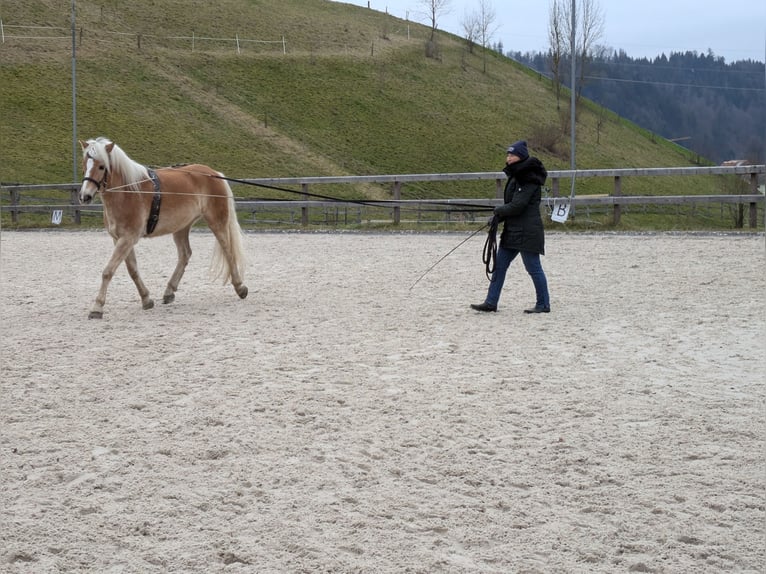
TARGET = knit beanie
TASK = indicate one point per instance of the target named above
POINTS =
(519, 149)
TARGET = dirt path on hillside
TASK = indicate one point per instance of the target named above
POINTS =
(338, 421)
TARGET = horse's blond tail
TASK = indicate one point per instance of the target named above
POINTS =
(220, 267)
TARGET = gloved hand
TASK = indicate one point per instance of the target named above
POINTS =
(493, 220)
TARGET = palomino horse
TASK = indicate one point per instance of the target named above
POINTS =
(139, 202)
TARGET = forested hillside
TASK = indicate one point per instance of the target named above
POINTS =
(711, 107)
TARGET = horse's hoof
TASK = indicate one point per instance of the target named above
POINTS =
(242, 291)
(148, 305)
(169, 298)
(96, 315)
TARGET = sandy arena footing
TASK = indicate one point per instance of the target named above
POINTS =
(338, 421)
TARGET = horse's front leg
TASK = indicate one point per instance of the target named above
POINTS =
(181, 239)
(132, 265)
(122, 247)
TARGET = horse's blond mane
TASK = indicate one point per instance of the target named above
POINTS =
(117, 162)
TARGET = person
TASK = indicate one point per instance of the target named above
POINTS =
(523, 231)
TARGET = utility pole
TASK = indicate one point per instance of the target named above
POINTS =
(74, 96)
(573, 117)
(572, 53)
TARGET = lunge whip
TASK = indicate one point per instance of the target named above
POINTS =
(450, 252)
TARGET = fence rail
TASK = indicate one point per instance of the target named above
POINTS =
(616, 200)
(98, 35)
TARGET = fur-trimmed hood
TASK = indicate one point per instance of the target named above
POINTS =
(531, 170)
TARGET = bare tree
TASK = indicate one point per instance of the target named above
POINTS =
(487, 27)
(470, 25)
(434, 10)
(479, 27)
(591, 30)
(557, 39)
(601, 117)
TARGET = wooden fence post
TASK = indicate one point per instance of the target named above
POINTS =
(396, 192)
(15, 199)
(305, 210)
(753, 212)
(75, 201)
(617, 193)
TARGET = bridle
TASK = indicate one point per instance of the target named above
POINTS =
(99, 184)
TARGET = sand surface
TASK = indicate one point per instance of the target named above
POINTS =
(338, 421)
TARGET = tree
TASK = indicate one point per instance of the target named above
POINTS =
(435, 9)
(591, 24)
(470, 25)
(487, 27)
(556, 39)
(589, 29)
(479, 26)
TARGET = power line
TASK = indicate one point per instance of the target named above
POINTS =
(614, 64)
(672, 84)
(655, 83)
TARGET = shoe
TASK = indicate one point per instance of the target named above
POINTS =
(483, 307)
(538, 310)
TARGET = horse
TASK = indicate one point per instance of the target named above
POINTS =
(140, 202)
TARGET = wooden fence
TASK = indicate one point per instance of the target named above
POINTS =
(21, 196)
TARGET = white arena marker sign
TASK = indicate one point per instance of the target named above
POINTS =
(560, 212)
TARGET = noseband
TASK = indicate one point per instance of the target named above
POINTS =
(98, 184)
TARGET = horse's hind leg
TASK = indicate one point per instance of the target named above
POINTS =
(230, 253)
(122, 248)
(143, 292)
(183, 247)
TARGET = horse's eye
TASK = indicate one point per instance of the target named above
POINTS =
(101, 167)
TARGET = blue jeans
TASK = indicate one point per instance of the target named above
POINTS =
(533, 266)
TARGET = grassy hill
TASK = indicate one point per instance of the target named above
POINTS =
(353, 94)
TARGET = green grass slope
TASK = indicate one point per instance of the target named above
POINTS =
(353, 94)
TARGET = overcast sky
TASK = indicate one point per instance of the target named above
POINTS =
(734, 29)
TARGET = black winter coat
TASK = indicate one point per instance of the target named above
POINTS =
(520, 213)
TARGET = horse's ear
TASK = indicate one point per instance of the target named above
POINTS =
(83, 145)
(109, 147)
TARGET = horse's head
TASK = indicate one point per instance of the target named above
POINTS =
(95, 167)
